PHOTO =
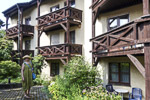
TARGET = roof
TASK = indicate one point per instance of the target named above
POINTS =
(14, 10)
(111, 5)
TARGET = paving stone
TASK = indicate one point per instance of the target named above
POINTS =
(18, 94)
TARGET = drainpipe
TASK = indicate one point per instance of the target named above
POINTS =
(18, 33)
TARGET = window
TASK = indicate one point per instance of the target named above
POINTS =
(72, 3)
(72, 37)
(52, 9)
(27, 44)
(54, 39)
(28, 21)
(54, 69)
(119, 73)
(117, 21)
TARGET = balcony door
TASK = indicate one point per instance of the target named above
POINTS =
(72, 3)
(54, 8)
(54, 39)
(28, 21)
(27, 44)
(72, 37)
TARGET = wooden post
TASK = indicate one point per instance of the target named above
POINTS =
(93, 35)
(68, 32)
(38, 14)
(147, 70)
(68, 3)
(145, 7)
(7, 18)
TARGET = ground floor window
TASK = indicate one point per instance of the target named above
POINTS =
(54, 69)
(119, 73)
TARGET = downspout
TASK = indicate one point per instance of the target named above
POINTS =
(18, 33)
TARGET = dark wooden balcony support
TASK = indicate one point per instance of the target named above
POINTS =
(61, 51)
(15, 54)
(25, 30)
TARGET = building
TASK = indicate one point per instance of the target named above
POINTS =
(61, 29)
(120, 42)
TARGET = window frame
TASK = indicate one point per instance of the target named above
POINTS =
(26, 46)
(58, 69)
(118, 21)
(27, 19)
(58, 39)
(119, 75)
(56, 6)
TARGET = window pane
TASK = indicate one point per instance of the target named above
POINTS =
(27, 45)
(123, 21)
(73, 3)
(114, 77)
(114, 67)
(124, 67)
(125, 72)
(125, 78)
(72, 37)
(113, 22)
(54, 39)
(54, 69)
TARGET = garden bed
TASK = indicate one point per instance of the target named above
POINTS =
(10, 86)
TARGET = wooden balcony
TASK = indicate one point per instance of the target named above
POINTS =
(54, 19)
(60, 51)
(15, 54)
(127, 39)
(25, 30)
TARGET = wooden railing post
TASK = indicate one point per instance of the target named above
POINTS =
(147, 70)
(145, 7)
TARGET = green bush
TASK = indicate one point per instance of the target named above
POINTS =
(38, 63)
(78, 76)
(9, 69)
(5, 49)
(13, 80)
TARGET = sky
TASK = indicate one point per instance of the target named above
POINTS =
(5, 4)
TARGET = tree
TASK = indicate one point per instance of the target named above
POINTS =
(1, 24)
(5, 47)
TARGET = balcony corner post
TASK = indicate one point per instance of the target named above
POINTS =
(146, 7)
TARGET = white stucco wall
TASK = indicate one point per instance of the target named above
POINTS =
(136, 78)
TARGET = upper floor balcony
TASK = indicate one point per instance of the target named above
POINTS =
(25, 30)
(60, 51)
(123, 40)
(54, 19)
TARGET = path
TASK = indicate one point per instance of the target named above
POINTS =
(18, 94)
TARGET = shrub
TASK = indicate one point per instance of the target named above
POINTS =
(9, 69)
(38, 63)
(5, 49)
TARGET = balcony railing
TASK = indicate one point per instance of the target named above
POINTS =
(15, 54)
(26, 30)
(60, 15)
(61, 50)
(129, 36)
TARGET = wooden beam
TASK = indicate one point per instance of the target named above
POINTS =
(124, 33)
(145, 7)
(98, 5)
(120, 53)
(68, 32)
(64, 27)
(147, 70)
(63, 61)
(137, 64)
